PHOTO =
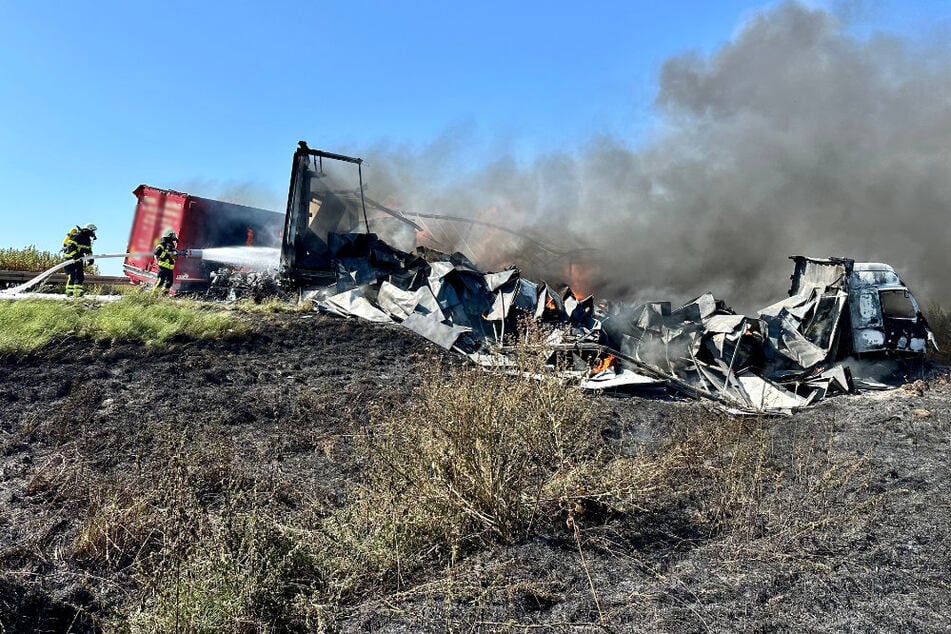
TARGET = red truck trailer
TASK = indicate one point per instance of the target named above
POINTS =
(200, 223)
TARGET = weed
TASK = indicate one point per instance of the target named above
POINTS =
(244, 573)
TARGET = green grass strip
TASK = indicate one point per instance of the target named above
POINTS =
(30, 324)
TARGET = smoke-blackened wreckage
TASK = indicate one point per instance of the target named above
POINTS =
(354, 257)
(838, 312)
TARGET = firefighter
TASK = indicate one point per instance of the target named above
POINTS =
(78, 243)
(165, 252)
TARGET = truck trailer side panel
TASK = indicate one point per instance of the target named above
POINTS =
(200, 223)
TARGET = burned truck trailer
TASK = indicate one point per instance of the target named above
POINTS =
(200, 223)
(320, 206)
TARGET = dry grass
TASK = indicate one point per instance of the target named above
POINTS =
(443, 478)
(479, 459)
(446, 479)
(796, 501)
(462, 465)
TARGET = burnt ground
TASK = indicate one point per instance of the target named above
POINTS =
(855, 539)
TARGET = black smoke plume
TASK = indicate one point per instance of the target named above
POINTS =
(796, 137)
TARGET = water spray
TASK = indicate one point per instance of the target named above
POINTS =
(252, 258)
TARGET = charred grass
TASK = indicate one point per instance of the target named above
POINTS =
(450, 477)
(481, 501)
(447, 477)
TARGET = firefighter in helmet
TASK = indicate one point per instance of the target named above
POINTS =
(76, 245)
(165, 252)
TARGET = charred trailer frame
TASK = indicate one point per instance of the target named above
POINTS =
(883, 315)
(314, 211)
(320, 210)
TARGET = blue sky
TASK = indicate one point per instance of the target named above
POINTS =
(98, 97)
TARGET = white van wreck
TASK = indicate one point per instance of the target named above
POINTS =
(884, 317)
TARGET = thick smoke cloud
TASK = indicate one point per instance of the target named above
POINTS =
(793, 138)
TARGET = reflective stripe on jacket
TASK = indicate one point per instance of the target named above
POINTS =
(164, 256)
(78, 245)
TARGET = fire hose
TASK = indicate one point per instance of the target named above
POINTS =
(47, 273)
(39, 279)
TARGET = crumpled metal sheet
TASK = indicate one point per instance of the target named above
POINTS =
(495, 281)
(726, 324)
(435, 329)
(802, 328)
(398, 303)
(352, 303)
(504, 301)
(616, 380)
(788, 304)
(795, 346)
(767, 396)
(770, 364)
(700, 308)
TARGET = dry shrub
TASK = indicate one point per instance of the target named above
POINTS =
(244, 572)
(148, 511)
(788, 498)
(117, 532)
(464, 463)
(651, 480)
(479, 458)
(812, 501)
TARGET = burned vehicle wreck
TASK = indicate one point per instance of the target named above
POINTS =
(792, 354)
(885, 315)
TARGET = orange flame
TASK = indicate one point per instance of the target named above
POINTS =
(602, 365)
(582, 273)
(550, 303)
(249, 240)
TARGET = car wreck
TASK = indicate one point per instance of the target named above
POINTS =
(792, 354)
(354, 257)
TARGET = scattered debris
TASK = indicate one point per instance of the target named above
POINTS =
(789, 357)
(229, 284)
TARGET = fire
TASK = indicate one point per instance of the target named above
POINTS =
(602, 365)
(582, 272)
(249, 240)
(550, 303)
